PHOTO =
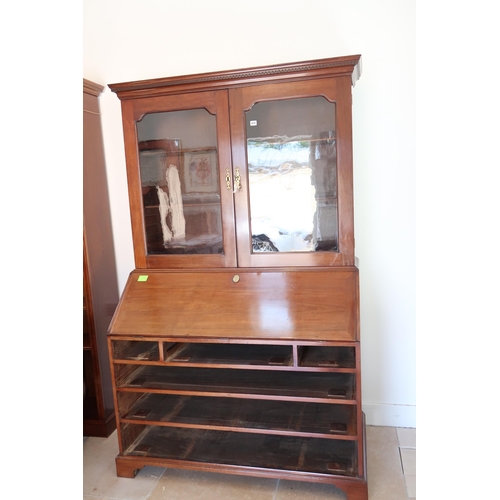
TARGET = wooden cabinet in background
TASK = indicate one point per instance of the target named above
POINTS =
(235, 347)
(100, 285)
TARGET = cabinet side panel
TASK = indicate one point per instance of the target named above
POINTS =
(101, 264)
(345, 170)
(134, 184)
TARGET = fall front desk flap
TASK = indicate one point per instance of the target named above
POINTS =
(238, 304)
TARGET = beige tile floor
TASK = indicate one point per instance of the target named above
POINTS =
(391, 456)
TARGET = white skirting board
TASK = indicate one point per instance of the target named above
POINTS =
(390, 415)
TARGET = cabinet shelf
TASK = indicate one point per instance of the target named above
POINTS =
(246, 450)
(86, 342)
(339, 359)
(306, 386)
(200, 205)
(258, 416)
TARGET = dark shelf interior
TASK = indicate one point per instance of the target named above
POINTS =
(133, 350)
(231, 354)
(327, 356)
(333, 421)
(249, 450)
(307, 385)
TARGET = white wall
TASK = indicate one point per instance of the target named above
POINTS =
(127, 40)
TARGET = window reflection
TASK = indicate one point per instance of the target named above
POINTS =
(292, 175)
(180, 182)
(282, 195)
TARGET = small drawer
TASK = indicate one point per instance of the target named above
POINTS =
(135, 350)
(327, 357)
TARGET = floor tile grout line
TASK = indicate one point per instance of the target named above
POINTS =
(276, 490)
(404, 474)
(154, 486)
(401, 461)
(105, 497)
(401, 447)
(406, 486)
(401, 458)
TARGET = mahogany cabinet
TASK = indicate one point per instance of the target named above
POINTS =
(235, 345)
(100, 284)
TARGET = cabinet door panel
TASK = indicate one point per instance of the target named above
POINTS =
(295, 181)
(177, 155)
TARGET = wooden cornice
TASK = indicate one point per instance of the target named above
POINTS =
(92, 88)
(336, 66)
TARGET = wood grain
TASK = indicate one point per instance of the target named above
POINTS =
(267, 305)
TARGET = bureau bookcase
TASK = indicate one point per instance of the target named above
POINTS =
(235, 346)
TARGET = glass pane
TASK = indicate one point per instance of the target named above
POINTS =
(180, 182)
(291, 151)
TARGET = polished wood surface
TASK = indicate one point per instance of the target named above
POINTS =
(305, 426)
(266, 305)
(245, 98)
(228, 95)
(245, 362)
(100, 284)
(302, 419)
(319, 68)
(132, 111)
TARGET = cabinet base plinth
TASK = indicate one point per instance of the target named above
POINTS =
(354, 488)
(99, 428)
(355, 491)
(127, 468)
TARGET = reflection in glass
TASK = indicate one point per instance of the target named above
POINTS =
(291, 152)
(180, 182)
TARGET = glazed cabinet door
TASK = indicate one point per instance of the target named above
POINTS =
(292, 161)
(180, 183)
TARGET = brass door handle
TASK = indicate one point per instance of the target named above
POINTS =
(237, 180)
